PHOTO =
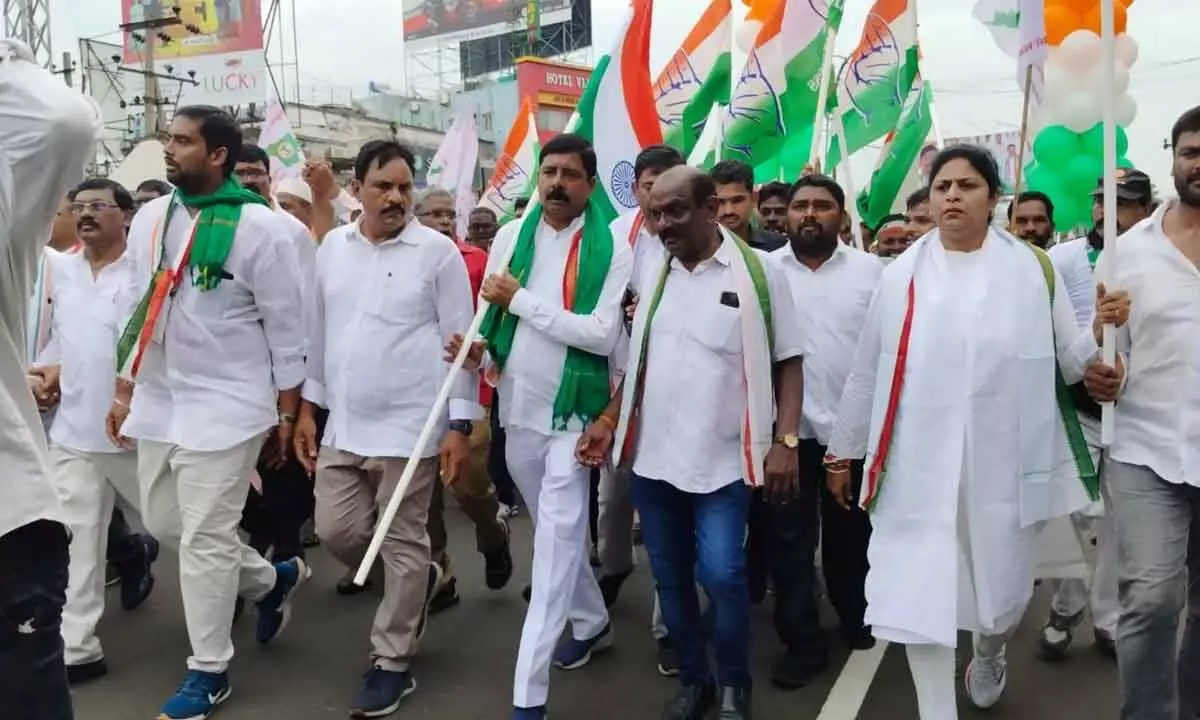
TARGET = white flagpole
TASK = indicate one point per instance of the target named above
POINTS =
(431, 423)
(839, 127)
(1109, 104)
(814, 155)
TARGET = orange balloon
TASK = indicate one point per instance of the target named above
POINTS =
(1091, 21)
(1081, 7)
(1061, 21)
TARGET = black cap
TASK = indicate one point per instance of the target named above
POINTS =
(1132, 185)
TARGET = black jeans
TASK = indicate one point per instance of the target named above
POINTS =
(791, 530)
(497, 464)
(846, 534)
(275, 517)
(33, 589)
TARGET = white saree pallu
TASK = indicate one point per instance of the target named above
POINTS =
(754, 300)
(958, 401)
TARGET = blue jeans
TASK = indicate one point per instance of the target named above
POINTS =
(33, 589)
(1158, 577)
(688, 535)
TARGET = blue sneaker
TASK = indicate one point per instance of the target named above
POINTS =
(196, 698)
(382, 692)
(275, 609)
(533, 713)
(574, 654)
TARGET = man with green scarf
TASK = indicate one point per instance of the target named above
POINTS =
(210, 364)
(556, 317)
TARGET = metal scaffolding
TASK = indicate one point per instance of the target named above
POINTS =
(29, 20)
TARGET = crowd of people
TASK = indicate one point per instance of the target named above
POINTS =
(237, 371)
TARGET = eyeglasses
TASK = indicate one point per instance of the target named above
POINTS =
(443, 214)
(96, 207)
(250, 174)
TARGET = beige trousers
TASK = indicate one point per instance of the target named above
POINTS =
(351, 492)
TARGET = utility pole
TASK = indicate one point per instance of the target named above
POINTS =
(148, 32)
(29, 21)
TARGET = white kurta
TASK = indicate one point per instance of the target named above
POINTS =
(978, 454)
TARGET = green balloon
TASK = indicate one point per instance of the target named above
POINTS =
(1093, 141)
(1124, 162)
(1082, 174)
(1055, 146)
(1068, 215)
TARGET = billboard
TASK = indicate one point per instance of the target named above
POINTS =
(1003, 147)
(208, 27)
(431, 22)
(553, 89)
(218, 46)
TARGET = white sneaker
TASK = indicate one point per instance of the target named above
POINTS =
(985, 680)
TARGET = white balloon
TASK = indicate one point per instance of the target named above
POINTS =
(747, 34)
(1094, 83)
(1126, 110)
(1126, 50)
(1078, 111)
(1061, 80)
(1080, 51)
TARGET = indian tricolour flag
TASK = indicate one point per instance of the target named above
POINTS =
(696, 78)
(1019, 29)
(453, 166)
(878, 75)
(617, 111)
(515, 175)
(776, 93)
(897, 174)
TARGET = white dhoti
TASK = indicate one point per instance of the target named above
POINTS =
(193, 501)
(89, 485)
(556, 489)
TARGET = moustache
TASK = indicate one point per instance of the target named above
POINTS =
(393, 209)
(87, 225)
(558, 194)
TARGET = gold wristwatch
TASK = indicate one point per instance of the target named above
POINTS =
(791, 442)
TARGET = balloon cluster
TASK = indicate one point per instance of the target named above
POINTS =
(1068, 149)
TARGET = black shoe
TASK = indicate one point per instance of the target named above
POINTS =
(381, 693)
(137, 578)
(735, 703)
(794, 670)
(858, 638)
(431, 586)
(86, 672)
(1055, 643)
(1105, 644)
(498, 564)
(668, 659)
(527, 593)
(691, 703)
(445, 598)
(610, 587)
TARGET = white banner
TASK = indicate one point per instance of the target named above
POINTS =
(1003, 147)
(453, 167)
(228, 79)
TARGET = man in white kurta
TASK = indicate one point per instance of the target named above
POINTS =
(47, 133)
(1075, 261)
(388, 294)
(220, 370)
(541, 448)
(91, 473)
(978, 453)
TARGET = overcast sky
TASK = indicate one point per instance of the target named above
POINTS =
(974, 83)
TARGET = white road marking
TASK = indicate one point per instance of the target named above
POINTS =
(850, 691)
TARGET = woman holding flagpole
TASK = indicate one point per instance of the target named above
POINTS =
(952, 400)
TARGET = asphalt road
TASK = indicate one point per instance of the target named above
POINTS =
(464, 671)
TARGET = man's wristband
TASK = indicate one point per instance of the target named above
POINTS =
(287, 419)
(462, 426)
(836, 464)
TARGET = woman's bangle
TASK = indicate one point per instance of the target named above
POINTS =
(602, 418)
(120, 403)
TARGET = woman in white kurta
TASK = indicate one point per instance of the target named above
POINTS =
(953, 395)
